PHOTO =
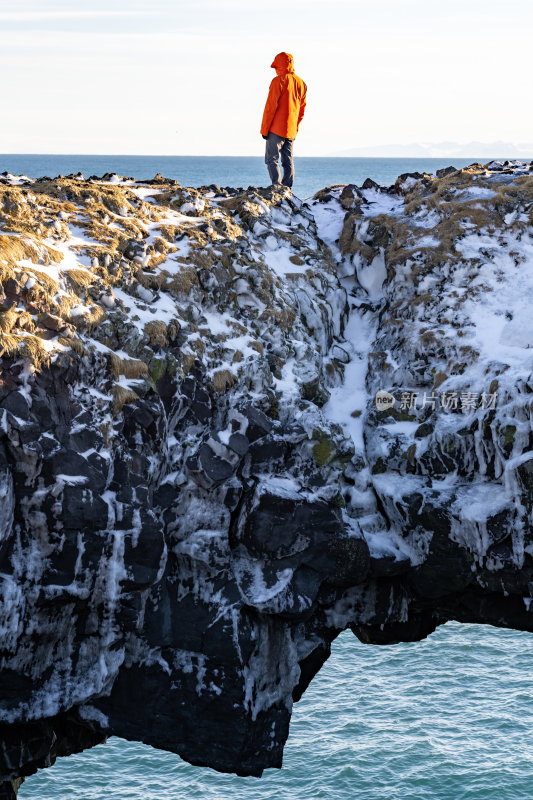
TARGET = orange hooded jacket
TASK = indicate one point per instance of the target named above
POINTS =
(286, 100)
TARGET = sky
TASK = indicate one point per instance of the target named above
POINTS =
(190, 77)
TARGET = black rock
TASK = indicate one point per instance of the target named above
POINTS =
(259, 424)
(442, 173)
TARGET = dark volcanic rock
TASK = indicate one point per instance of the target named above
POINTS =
(198, 492)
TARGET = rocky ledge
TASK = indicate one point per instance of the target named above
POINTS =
(232, 425)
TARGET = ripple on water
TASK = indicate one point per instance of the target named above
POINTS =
(449, 718)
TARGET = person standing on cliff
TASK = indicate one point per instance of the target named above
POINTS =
(284, 110)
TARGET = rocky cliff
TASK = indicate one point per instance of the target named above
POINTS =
(233, 425)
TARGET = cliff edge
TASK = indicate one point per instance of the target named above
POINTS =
(232, 425)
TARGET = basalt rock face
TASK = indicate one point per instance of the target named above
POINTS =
(234, 425)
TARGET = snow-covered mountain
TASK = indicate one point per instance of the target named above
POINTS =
(474, 149)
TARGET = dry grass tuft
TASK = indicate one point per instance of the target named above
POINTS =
(63, 305)
(101, 233)
(121, 396)
(297, 260)
(198, 345)
(115, 199)
(80, 280)
(50, 285)
(187, 361)
(202, 258)
(7, 320)
(130, 368)
(9, 344)
(86, 322)
(156, 259)
(53, 256)
(13, 249)
(74, 343)
(298, 276)
(33, 349)
(157, 333)
(6, 272)
(168, 232)
(150, 280)
(223, 379)
(26, 345)
(183, 282)
(284, 318)
(162, 246)
(25, 322)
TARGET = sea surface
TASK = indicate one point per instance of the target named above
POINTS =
(449, 718)
(312, 174)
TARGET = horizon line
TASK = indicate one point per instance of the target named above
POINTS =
(221, 155)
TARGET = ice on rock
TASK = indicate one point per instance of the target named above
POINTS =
(372, 276)
(198, 491)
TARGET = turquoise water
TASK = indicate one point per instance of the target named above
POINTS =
(448, 718)
(312, 174)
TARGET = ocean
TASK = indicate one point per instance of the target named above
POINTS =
(312, 174)
(448, 718)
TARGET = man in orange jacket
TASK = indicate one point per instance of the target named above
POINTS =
(283, 113)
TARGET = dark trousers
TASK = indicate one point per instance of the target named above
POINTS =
(277, 146)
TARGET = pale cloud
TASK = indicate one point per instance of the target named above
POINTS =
(183, 78)
(31, 16)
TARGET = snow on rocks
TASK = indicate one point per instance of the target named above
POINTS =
(450, 346)
(145, 342)
(198, 486)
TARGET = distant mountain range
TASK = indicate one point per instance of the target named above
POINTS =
(442, 150)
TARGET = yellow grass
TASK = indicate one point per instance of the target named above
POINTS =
(284, 317)
(7, 320)
(121, 396)
(13, 249)
(223, 379)
(49, 284)
(25, 322)
(130, 368)
(184, 281)
(152, 280)
(9, 343)
(26, 345)
(168, 232)
(74, 343)
(187, 360)
(89, 321)
(34, 350)
(79, 280)
(157, 333)
(54, 256)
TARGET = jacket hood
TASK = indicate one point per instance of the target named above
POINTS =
(283, 61)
